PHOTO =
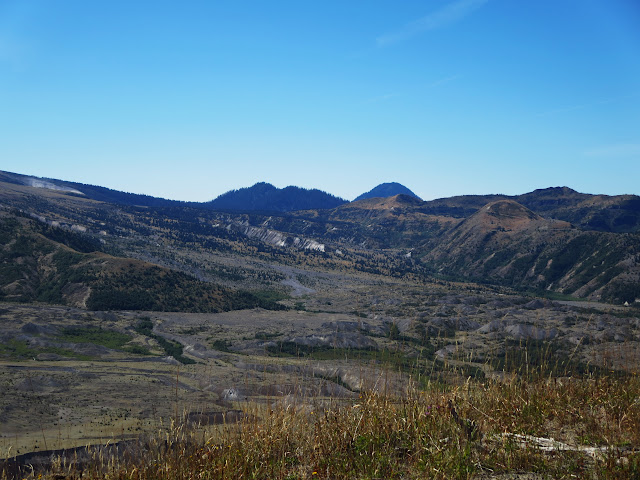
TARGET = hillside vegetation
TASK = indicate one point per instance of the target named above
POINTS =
(38, 263)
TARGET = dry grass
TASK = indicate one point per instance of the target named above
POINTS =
(441, 433)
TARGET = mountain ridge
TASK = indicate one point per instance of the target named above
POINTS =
(546, 243)
(607, 213)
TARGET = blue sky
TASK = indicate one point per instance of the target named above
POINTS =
(187, 100)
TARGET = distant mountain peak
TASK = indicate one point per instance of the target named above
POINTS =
(265, 197)
(508, 209)
(385, 190)
(507, 216)
(555, 192)
(264, 186)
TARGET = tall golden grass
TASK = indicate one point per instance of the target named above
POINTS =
(554, 427)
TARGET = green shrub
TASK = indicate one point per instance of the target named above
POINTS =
(96, 335)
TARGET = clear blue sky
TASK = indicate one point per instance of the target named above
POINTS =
(187, 100)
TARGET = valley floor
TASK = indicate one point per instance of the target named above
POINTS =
(64, 383)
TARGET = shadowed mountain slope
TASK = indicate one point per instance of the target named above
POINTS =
(92, 192)
(266, 197)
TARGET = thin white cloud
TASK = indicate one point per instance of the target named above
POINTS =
(617, 150)
(447, 15)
